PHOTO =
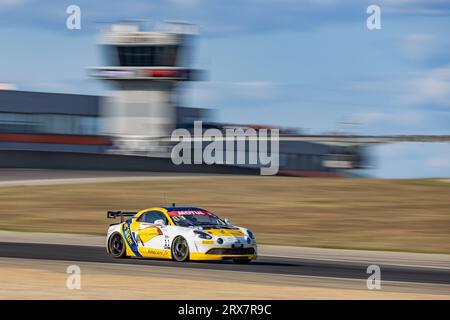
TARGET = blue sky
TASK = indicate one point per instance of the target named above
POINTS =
(297, 63)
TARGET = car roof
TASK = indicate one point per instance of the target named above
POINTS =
(171, 208)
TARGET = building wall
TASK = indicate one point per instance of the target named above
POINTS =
(293, 155)
(45, 102)
(139, 108)
(37, 112)
(85, 161)
(66, 123)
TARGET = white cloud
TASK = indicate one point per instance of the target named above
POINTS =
(397, 150)
(425, 48)
(256, 89)
(411, 160)
(221, 17)
(416, 7)
(366, 118)
(244, 93)
(429, 88)
(419, 46)
(439, 162)
(432, 87)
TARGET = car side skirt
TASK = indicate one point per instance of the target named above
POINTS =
(214, 257)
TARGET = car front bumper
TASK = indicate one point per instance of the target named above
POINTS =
(231, 248)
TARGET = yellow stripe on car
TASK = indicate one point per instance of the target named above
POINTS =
(225, 232)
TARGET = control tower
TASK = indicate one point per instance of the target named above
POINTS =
(143, 69)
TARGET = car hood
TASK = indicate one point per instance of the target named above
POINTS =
(224, 232)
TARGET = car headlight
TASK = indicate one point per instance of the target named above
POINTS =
(202, 235)
(251, 235)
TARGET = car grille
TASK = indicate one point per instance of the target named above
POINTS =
(231, 251)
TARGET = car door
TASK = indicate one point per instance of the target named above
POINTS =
(148, 234)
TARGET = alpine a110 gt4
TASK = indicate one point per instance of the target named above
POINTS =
(178, 233)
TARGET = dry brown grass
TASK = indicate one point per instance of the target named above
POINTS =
(408, 215)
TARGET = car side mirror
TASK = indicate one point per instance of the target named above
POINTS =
(226, 221)
(160, 222)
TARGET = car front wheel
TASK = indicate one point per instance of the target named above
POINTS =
(180, 249)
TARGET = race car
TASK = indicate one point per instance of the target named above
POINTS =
(178, 233)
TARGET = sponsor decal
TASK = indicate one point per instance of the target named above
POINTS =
(113, 74)
(129, 238)
(225, 232)
(158, 252)
(189, 213)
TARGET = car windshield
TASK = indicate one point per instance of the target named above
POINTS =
(188, 220)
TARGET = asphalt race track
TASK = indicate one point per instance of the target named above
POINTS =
(264, 264)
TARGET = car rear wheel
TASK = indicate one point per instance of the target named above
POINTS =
(116, 246)
(241, 260)
(180, 249)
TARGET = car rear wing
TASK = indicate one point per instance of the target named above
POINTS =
(121, 214)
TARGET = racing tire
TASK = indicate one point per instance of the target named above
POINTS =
(242, 261)
(180, 249)
(116, 246)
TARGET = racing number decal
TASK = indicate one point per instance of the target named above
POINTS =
(166, 242)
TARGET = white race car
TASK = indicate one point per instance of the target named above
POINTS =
(179, 233)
